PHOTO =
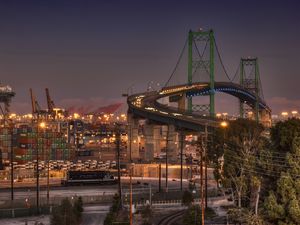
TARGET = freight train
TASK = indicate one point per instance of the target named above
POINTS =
(88, 177)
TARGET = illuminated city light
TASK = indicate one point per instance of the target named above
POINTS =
(294, 113)
(76, 115)
(42, 125)
(224, 124)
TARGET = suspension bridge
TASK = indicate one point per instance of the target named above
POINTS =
(201, 60)
(248, 90)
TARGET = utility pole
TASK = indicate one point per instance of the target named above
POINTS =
(118, 161)
(11, 161)
(150, 194)
(130, 204)
(37, 171)
(201, 187)
(159, 177)
(181, 158)
(206, 161)
(167, 143)
(130, 142)
(48, 175)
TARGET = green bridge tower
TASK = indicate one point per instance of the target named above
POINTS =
(195, 63)
(250, 82)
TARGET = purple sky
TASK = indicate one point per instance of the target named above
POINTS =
(90, 52)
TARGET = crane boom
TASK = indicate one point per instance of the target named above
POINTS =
(50, 102)
(33, 101)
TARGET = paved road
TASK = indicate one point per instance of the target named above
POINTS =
(88, 190)
(60, 191)
(93, 190)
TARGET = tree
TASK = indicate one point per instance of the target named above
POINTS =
(244, 216)
(78, 208)
(116, 213)
(147, 214)
(64, 214)
(243, 142)
(192, 216)
(282, 205)
(187, 198)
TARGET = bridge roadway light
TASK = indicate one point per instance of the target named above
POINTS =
(225, 114)
(285, 114)
(294, 113)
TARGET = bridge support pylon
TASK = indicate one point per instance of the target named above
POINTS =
(251, 83)
(198, 62)
(152, 141)
(133, 138)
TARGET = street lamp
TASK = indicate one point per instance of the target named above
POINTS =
(224, 124)
(41, 125)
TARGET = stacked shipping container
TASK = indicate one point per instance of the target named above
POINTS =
(26, 139)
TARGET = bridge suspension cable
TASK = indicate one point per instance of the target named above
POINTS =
(201, 58)
(236, 73)
(177, 63)
(222, 64)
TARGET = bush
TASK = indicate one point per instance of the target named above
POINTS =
(187, 198)
(192, 217)
(66, 213)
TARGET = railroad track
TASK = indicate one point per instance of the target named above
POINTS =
(168, 220)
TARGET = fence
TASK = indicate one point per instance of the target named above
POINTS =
(21, 208)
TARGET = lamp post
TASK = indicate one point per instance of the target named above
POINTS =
(40, 125)
(43, 125)
(224, 125)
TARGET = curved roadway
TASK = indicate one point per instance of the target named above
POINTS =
(146, 105)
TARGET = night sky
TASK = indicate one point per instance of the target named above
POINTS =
(90, 52)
